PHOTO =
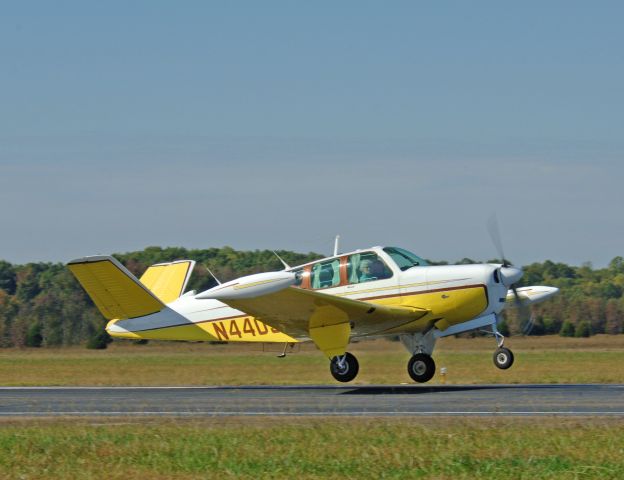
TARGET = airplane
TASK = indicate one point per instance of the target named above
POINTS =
(374, 292)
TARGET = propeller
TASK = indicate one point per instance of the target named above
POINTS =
(510, 275)
(494, 231)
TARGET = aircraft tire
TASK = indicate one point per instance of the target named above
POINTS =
(421, 368)
(348, 372)
(503, 358)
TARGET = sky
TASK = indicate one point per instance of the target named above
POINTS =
(281, 124)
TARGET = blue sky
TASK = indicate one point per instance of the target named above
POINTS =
(281, 124)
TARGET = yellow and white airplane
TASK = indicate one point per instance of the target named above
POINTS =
(375, 292)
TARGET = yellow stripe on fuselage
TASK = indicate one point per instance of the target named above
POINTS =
(233, 329)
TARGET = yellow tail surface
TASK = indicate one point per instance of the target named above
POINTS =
(114, 290)
(168, 280)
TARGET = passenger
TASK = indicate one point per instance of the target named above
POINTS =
(378, 270)
(366, 274)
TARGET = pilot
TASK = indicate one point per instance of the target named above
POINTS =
(366, 274)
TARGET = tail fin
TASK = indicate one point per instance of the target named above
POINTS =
(168, 280)
(114, 290)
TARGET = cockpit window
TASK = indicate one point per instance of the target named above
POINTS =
(404, 259)
(365, 267)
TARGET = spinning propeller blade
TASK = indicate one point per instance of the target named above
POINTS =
(494, 232)
(524, 312)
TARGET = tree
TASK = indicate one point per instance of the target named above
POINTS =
(613, 317)
(567, 329)
(466, 261)
(27, 277)
(99, 341)
(7, 277)
(583, 329)
(34, 337)
(19, 327)
(550, 324)
(617, 264)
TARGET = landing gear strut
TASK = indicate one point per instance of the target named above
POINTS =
(421, 368)
(344, 368)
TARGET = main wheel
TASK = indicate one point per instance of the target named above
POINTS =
(421, 368)
(346, 370)
(503, 358)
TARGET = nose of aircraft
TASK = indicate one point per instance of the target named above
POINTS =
(510, 275)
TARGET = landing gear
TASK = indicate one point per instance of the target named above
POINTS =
(344, 368)
(503, 358)
(421, 368)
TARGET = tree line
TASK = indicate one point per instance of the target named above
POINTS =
(42, 304)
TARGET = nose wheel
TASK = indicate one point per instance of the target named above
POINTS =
(503, 358)
(421, 367)
(344, 368)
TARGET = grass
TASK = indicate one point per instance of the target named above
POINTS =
(467, 361)
(441, 448)
(313, 448)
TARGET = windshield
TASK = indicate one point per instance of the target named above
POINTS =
(404, 259)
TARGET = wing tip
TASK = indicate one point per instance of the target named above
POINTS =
(90, 259)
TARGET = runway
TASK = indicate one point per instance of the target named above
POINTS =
(305, 400)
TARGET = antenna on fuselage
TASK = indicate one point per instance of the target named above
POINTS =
(336, 242)
(213, 275)
(286, 266)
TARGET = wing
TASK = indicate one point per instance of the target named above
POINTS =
(327, 319)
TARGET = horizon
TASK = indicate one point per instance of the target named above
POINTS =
(323, 255)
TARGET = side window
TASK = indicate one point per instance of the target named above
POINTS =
(326, 274)
(366, 267)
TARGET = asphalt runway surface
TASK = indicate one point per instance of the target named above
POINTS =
(305, 400)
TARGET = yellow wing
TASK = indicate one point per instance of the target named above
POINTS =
(168, 280)
(114, 290)
(328, 320)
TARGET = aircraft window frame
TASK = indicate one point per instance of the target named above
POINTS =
(331, 267)
(379, 269)
(407, 258)
(305, 284)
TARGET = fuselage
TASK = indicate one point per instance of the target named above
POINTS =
(452, 294)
